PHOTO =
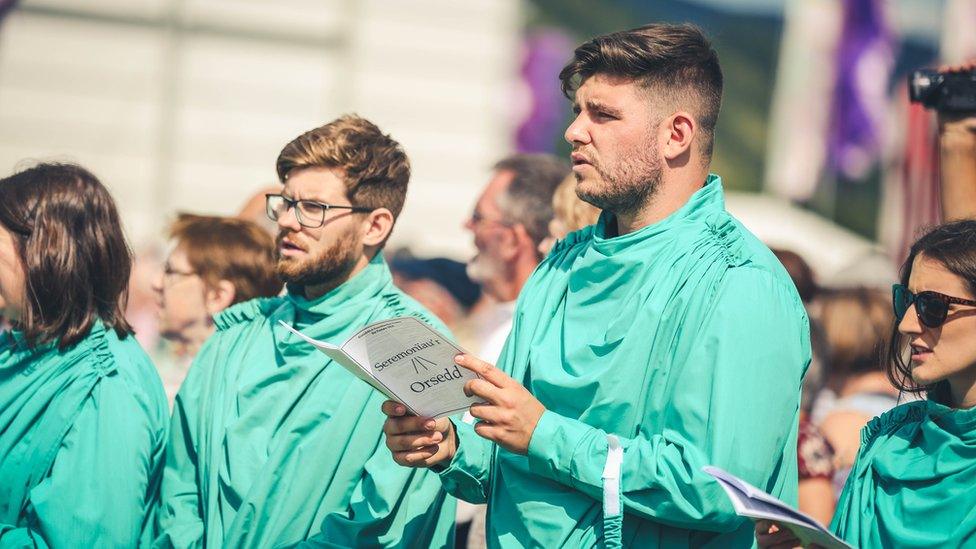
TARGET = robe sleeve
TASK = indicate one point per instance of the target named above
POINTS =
(102, 481)
(391, 506)
(735, 400)
(467, 476)
(178, 516)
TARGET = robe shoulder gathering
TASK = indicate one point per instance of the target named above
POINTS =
(655, 353)
(82, 433)
(912, 481)
(273, 444)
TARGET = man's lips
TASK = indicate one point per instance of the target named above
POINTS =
(288, 247)
(579, 159)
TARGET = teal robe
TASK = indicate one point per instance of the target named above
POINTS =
(913, 483)
(273, 444)
(687, 342)
(82, 433)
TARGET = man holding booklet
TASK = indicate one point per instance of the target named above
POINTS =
(273, 444)
(663, 339)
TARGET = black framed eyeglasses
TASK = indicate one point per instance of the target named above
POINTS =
(310, 214)
(931, 307)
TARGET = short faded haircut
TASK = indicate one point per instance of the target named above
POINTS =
(374, 167)
(673, 62)
(231, 249)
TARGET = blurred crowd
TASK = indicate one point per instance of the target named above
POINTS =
(528, 208)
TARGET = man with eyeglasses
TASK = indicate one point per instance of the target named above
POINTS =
(271, 443)
(509, 220)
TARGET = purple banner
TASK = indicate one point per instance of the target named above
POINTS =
(546, 51)
(865, 59)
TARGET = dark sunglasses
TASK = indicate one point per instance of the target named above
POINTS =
(932, 308)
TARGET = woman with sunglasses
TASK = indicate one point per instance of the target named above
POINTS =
(913, 479)
(83, 415)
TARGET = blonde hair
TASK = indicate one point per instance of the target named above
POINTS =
(569, 209)
(855, 323)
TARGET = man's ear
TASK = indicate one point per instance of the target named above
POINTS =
(679, 130)
(523, 240)
(219, 296)
(377, 227)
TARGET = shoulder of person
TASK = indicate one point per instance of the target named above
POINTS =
(908, 414)
(572, 241)
(247, 311)
(136, 377)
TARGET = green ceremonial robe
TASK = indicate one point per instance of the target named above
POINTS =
(273, 444)
(913, 483)
(82, 433)
(685, 341)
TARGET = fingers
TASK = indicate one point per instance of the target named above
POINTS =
(413, 424)
(483, 389)
(484, 369)
(487, 412)
(393, 408)
(413, 441)
(772, 535)
(417, 457)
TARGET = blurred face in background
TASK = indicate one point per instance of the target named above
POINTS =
(181, 296)
(947, 352)
(616, 158)
(493, 235)
(324, 255)
(12, 277)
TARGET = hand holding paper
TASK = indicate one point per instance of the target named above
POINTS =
(510, 412)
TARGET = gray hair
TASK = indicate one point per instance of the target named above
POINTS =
(528, 198)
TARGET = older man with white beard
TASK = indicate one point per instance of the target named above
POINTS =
(509, 220)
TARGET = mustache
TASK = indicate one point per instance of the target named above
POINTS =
(292, 239)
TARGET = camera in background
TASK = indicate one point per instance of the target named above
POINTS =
(943, 91)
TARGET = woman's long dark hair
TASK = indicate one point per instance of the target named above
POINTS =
(76, 260)
(954, 246)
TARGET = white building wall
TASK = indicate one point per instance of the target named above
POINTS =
(183, 105)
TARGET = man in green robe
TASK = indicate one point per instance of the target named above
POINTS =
(272, 444)
(662, 339)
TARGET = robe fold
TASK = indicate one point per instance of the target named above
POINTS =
(655, 353)
(913, 483)
(275, 445)
(82, 433)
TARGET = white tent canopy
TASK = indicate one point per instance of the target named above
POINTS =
(838, 256)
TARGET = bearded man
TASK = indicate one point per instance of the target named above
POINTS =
(662, 339)
(273, 444)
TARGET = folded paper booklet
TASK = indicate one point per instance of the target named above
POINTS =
(406, 360)
(755, 504)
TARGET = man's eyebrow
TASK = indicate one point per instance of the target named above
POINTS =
(594, 105)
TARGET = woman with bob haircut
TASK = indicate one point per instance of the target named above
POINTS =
(912, 480)
(83, 416)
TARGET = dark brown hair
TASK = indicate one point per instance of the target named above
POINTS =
(76, 260)
(227, 248)
(954, 246)
(374, 167)
(674, 62)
